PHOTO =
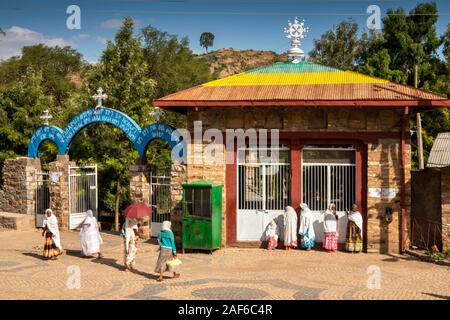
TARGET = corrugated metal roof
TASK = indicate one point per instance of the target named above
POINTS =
(275, 79)
(287, 81)
(440, 152)
(288, 67)
(362, 91)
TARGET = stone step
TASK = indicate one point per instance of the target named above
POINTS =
(16, 221)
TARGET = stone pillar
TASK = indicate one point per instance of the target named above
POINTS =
(383, 172)
(445, 208)
(59, 189)
(19, 185)
(178, 176)
(140, 193)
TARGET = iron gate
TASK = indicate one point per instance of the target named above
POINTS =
(263, 187)
(83, 193)
(160, 199)
(42, 197)
(328, 176)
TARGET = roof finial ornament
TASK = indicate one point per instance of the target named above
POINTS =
(296, 31)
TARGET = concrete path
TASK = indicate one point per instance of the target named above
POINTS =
(226, 274)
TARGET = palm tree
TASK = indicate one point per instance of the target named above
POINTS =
(206, 40)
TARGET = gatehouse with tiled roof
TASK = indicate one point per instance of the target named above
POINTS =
(344, 138)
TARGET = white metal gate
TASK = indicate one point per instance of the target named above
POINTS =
(83, 193)
(160, 200)
(42, 197)
(328, 176)
(263, 190)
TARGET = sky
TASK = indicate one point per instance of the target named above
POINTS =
(239, 24)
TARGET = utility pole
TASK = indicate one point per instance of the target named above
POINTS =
(418, 123)
(419, 140)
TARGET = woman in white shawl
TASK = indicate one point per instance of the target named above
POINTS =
(353, 240)
(290, 228)
(306, 230)
(330, 227)
(129, 233)
(90, 236)
(272, 233)
(52, 245)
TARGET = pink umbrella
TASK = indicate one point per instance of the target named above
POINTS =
(137, 210)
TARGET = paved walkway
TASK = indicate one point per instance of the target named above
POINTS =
(226, 274)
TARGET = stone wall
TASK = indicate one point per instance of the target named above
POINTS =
(299, 119)
(59, 189)
(384, 156)
(17, 194)
(140, 193)
(445, 208)
(384, 171)
(178, 176)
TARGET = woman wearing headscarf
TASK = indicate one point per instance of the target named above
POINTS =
(272, 233)
(130, 242)
(306, 230)
(52, 245)
(90, 236)
(353, 241)
(290, 228)
(330, 227)
(167, 249)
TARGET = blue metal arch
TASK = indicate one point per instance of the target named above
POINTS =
(159, 131)
(43, 133)
(139, 138)
(104, 115)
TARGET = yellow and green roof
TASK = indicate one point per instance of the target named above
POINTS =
(303, 83)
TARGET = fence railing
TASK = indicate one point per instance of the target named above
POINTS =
(426, 233)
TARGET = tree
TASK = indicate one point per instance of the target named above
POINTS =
(3, 33)
(173, 66)
(123, 73)
(29, 84)
(338, 47)
(206, 40)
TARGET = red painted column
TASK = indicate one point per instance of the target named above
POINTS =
(296, 173)
(231, 210)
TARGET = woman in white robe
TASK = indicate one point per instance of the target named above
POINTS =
(52, 245)
(306, 230)
(290, 228)
(90, 236)
(330, 227)
(353, 241)
(130, 242)
(272, 234)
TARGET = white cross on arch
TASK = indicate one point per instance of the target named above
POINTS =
(100, 96)
(46, 117)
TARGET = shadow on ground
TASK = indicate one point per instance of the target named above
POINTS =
(34, 255)
(113, 263)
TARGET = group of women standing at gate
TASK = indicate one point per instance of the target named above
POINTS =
(306, 232)
(91, 240)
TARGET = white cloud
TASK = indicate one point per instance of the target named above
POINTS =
(102, 40)
(80, 37)
(115, 23)
(17, 37)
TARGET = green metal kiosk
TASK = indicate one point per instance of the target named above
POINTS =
(201, 216)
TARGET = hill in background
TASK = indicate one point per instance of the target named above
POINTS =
(228, 61)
